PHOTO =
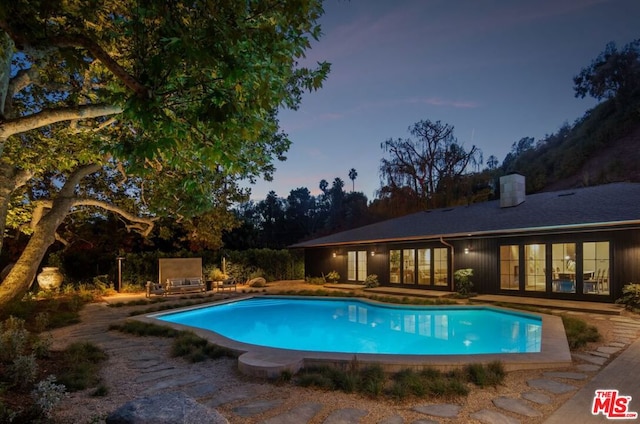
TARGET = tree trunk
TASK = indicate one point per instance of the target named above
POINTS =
(19, 279)
(24, 271)
(7, 185)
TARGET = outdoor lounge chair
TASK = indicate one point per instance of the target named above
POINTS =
(154, 288)
(228, 283)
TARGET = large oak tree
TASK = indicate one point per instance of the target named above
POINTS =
(173, 102)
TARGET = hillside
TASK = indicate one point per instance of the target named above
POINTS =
(618, 161)
(601, 147)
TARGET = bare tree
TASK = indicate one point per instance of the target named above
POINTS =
(429, 165)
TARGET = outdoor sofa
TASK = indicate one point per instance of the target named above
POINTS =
(177, 286)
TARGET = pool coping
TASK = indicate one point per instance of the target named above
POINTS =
(267, 362)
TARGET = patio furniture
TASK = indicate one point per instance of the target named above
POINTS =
(228, 283)
(154, 288)
(184, 285)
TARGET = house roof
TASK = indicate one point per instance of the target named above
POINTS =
(616, 204)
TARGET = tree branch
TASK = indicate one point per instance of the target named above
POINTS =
(99, 53)
(52, 116)
(144, 225)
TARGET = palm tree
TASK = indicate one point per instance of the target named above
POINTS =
(352, 176)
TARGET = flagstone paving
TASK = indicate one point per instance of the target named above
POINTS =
(147, 360)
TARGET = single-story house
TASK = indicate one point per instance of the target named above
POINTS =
(580, 244)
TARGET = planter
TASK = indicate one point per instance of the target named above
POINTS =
(50, 278)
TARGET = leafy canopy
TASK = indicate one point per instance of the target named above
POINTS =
(198, 84)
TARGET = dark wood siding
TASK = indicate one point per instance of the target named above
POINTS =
(626, 261)
(483, 258)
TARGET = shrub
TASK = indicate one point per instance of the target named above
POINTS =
(333, 276)
(630, 297)
(144, 329)
(579, 333)
(216, 274)
(491, 375)
(315, 280)
(41, 345)
(13, 338)
(82, 361)
(47, 395)
(24, 370)
(7, 415)
(463, 282)
(371, 281)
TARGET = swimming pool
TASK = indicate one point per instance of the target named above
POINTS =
(355, 326)
(233, 319)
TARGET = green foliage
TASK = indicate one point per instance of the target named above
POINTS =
(333, 276)
(81, 368)
(144, 329)
(579, 333)
(216, 274)
(318, 281)
(430, 382)
(14, 339)
(613, 73)
(463, 280)
(368, 381)
(195, 103)
(47, 395)
(276, 265)
(373, 382)
(196, 349)
(24, 370)
(186, 344)
(491, 375)
(100, 391)
(371, 281)
(630, 297)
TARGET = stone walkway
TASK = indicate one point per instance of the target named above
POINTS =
(147, 358)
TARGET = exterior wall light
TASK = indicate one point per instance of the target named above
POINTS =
(466, 250)
(333, 254)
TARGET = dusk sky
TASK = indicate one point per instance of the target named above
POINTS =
(497, 70)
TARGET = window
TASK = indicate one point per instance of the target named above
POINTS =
(563, 267)
(510, 267)
(424, 266)
(534, 276)
(394, 266)
(351, 266)
(595, 267)
(357, 265)
(409, 266)
(441, 266)
(362, 265)
(419, 266)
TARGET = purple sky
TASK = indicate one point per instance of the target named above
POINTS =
(497, 70)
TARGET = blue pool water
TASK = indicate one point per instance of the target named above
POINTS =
(354, 326)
